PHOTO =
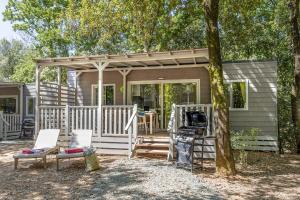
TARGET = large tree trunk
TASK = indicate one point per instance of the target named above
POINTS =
(224, 158)
(295, 96)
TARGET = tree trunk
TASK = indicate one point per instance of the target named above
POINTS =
(224, 159)
(295, 95)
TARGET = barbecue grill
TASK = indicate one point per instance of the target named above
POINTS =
(187, 137)
(27, 126)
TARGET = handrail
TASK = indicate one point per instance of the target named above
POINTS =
(172, 121)
(5, 122)
(129, 123)
(130, 120)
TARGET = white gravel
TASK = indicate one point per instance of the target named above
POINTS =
(149, 179)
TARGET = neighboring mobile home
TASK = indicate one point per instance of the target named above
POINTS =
(17, 101)
(164, 84)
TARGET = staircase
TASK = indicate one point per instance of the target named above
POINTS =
(149, 146)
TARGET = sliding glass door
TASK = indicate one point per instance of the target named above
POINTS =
(180, 94)
(161, 94)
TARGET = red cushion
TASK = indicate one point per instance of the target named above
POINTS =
(74, 150)
(27, 151)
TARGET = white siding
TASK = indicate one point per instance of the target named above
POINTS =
(262, 96)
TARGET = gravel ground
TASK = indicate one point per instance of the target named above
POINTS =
(150, 179)
(269, 176)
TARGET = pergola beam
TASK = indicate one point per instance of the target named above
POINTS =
(71, 62)
(147, 68)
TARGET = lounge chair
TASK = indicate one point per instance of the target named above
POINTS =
(44, 145)
(79, 139)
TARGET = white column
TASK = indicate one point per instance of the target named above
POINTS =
(100, 96)
(38, 70)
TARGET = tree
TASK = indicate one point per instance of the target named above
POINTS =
(295, 96)
(10, 54)
(224, 157)
(42, 22)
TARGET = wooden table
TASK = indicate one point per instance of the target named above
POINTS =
(152, 115)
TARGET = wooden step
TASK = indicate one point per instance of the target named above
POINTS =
(152, 145)
(152, 151)
(156, 139)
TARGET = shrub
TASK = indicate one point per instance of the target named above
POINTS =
(239, 143)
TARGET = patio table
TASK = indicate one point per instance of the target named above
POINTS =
(152, 115)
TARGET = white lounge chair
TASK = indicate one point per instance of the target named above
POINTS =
(79, 139)
(45, 141)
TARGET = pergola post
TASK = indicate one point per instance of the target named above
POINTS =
(101, 68)
(100, 92)
(77, 76)
(38, 71)
(59, 85)
(124, 74)
(21, 88)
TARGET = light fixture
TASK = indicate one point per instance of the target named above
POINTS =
(160, 78)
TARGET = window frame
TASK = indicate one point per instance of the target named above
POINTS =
(26, 104)
(12, 96)
(94, 86)
(229, 82)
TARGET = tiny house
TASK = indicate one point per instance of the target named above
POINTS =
(106, 93)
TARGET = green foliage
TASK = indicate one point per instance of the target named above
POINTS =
(25, 68)
(239, 143)
(10, 54)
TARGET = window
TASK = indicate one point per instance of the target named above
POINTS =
(8, 104)
(108, 94)
(238, 94)
(30, 101)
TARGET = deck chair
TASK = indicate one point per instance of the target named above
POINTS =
(46, 141)
(79, 139)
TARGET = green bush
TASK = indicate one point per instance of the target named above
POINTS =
(239, 143)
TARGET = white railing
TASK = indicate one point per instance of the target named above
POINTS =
(9, 123)
(14, 121)
(82, 117)
(69, 118)
(131, 130)
(178, 118)
(52, 117)
(115, 119)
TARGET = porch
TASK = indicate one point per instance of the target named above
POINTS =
(115, 127)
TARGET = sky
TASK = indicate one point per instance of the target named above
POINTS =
(6, 30)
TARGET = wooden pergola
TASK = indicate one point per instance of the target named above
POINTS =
(122, 63)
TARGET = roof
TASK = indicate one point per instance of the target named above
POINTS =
(10, 84)
(133, 61)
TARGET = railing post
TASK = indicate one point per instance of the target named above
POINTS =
(5, 132)
(67, 128)
(1, 125)
(135, 121)
(129, 145)
(209, 125)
